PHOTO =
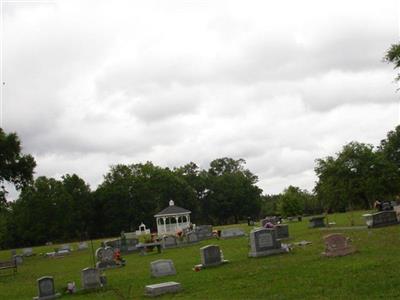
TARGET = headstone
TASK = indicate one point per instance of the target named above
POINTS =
(46, 289)
(316, 222)
(382, 218)
(65, 247)
(232, 233)
(18, 259)
(263, 242)
(203, 232)
(105, 258)
(91, 278)
(131, 245)
(272, 219)
(210, 256)
(282, 231)
(116, 243)
(27, 252)
(169, 241)
(337, 245)
(158, 289)
(83, 246)
(162, 267)
(191, 237)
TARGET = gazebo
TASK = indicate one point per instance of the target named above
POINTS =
(172, 219)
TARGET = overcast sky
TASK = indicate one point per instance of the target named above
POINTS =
(89, 84)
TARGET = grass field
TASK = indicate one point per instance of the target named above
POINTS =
(372, 273)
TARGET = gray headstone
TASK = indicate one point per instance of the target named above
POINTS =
(162, 288)
(382, 218)
(105, 257)
(46, 289)
(18, 259)
(192, 237)
(162, 267)
(231, 233)
(83, 246)
(65, 247)
(282, 231)
(27, 252)
(316, 222)
(263, 241)
(169, 241)
(204, 232)
(91, 278)
(210, 256)
(131, 244)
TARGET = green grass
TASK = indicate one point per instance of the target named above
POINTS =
(372, 273)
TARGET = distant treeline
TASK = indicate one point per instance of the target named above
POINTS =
(67, 209)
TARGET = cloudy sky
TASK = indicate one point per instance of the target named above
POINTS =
(89, 84)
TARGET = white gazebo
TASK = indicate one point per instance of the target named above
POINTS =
(172, 219)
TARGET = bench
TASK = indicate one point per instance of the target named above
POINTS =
(10, 264)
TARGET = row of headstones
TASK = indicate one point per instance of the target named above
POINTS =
(91, 279)
(263, 242)
(64, 249)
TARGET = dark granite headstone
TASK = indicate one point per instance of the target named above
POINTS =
(263, 242)
(282, 231)
(317, 221)
(382, 218)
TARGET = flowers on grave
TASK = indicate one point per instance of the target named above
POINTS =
(180, 235)
(71, 287)
(269, 225)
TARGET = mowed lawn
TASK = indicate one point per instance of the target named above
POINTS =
(372, 273)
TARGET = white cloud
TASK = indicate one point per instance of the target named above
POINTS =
(94, 83)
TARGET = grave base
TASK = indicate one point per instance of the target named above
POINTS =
(55, 296)
(158, 289)
(341, 252)
(267, 253)
(201, 266)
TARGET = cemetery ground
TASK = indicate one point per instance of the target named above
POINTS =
(371, 273)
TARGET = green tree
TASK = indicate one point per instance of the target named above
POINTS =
(355, 178)
(393, 56)
(15, 167)
(232, 192)
(292, 202)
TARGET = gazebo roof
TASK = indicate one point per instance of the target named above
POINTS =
(172, 209)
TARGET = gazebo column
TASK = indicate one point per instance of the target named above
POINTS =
(177, 223)
(165, 226)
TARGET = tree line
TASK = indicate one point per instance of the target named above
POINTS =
(50, 209)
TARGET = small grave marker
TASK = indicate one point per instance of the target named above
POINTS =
(162, 267)
(169, 241)
(46, 289)
(232, 233)
(162, 288)
(91, 278)
(337, 245)
(210, 256)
